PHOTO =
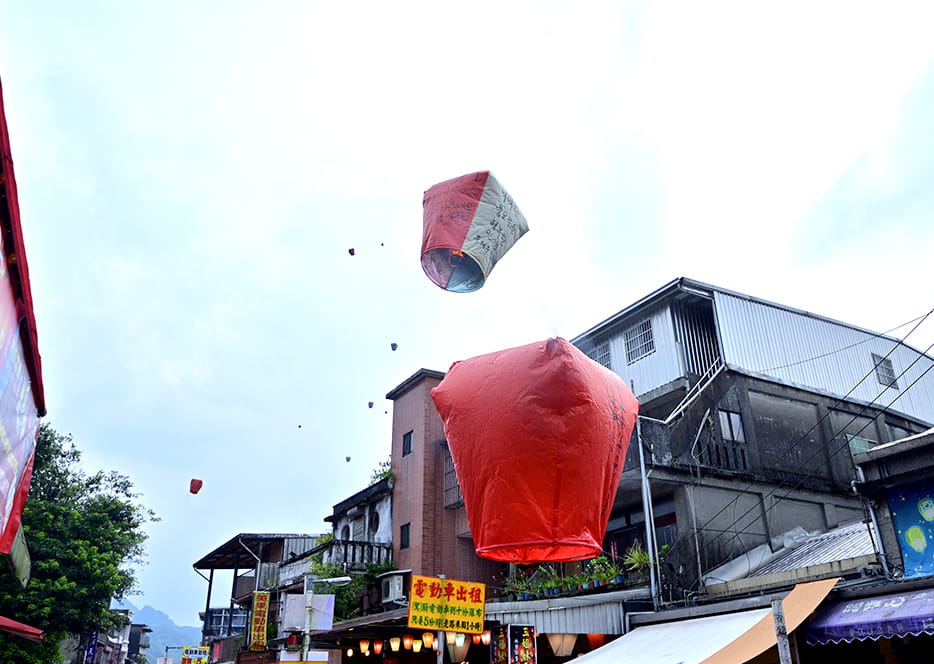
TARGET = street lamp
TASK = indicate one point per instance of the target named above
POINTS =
(310, 582)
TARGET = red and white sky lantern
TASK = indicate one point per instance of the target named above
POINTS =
(470, 222)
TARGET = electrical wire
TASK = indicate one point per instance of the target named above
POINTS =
(825, 447)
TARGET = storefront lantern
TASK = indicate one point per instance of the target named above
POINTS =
(538, 435)
(470, 222)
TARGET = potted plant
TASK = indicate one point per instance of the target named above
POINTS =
(548, 579)
(637, 560)
(603, 570)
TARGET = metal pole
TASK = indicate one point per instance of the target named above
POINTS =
(306, 637)
(649, 521)
(781, 633)
(439, 659)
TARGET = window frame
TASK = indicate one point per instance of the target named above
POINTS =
(407, 442)
(639, 340)
(731, 421)
(405, 536)
(601, 354)
(885, 371)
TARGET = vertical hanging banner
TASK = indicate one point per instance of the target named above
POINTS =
(470, 222)
(90, 653)
(21, 396)
(258, 621)
(513, 644)
(522, 645)
(446, 604)
(195, 655)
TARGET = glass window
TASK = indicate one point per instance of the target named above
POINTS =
(639, 341)
(407, 443)
(731, 427)
(859, 445)
(404, 536)
(885, 372)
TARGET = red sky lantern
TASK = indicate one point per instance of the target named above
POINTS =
(538, 477)
(195, 485)
(470, 222)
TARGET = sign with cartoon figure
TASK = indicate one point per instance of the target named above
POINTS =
(912, 509)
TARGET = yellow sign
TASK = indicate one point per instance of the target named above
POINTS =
(446, 604)
(258, 622)
(195, 655)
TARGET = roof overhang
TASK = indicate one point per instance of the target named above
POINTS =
(239, 551)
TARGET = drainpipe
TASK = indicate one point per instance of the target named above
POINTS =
(874, 526)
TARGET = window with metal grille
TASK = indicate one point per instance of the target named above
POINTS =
(885, 373)
(404, 535)
(639, 341)
(406, 443)
(452, 489)
(601, 353)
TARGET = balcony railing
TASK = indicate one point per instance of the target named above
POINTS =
(354, 555)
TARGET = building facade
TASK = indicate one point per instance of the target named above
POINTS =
(750, 414)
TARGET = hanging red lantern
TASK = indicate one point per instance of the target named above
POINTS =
(538, 478)
(470, 222)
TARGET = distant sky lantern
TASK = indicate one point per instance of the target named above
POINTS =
(538, 477)
(195, 485)
(470, 222)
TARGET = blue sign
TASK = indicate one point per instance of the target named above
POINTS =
(912, 509)
(91, 651)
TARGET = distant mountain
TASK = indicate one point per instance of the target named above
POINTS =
(164, 632)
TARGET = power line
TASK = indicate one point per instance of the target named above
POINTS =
(832, 452)
(853, 345)
(825, 447)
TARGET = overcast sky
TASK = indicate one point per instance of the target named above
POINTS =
(192, 175)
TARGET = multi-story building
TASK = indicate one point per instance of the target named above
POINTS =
(750, 413)
(431, 536)
(254, 560)
(139, 643)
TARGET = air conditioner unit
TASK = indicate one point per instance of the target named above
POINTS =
(393, 591)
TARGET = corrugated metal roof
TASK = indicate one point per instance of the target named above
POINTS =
(850, 541)
(601, 613)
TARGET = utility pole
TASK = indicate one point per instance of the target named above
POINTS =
(781, 632)
(168, 648)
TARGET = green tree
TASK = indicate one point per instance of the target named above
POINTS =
(85, 534)
(347, 599)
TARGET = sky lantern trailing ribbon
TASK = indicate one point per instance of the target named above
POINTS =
(538, 435)
(470, 222)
